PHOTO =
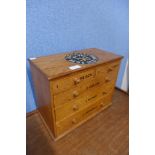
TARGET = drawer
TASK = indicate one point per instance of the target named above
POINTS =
(77, 104)
(75, 119)
(99, 92)
(101, 71)
(75, 93)
(106, 100)
(73, 80)
(69, 108)
(81, 115)
(88, 92)
(108, 72)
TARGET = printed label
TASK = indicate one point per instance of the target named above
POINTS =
(74, 67)
(93, 85)
(92, 97)
(32, 58)
(86, 76)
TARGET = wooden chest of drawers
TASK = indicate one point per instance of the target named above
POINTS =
(67, 93)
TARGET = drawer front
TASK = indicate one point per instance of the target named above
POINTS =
(83, 79)
(101, 72)
(78, 104)
(112, 71)
(87, 92)
(68, 109)
(108, 72)
(76, 93)
(71, 81)
(80, 116)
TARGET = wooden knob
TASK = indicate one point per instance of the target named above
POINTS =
(75, 93)
(110, 69)
(74, 121)
(107, 79)
(76, 81)
(102, 104)
(104, 93)
(75, 107)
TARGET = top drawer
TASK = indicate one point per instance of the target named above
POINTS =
(73, 80)
(108, 72)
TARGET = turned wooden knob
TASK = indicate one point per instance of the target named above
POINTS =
(110, 69)
(75, 93)
(74, 121)
(107, 79)
(76, 81)
(102, 104)
(104, 93)
(75, 107)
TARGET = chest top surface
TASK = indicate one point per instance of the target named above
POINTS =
(54, 66)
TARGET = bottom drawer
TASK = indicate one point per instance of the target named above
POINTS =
(77, 118)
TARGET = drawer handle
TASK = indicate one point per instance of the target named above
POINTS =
(102, 104)
(107, 79)
(75, 94)
(75, 107)
(104, 93)
(110, 69)
(76, 81)
(74, 121)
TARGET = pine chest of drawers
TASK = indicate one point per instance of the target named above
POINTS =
(69, 93)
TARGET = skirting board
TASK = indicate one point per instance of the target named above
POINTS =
(126, 92)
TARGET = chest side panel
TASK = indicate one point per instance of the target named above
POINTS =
(43, 96)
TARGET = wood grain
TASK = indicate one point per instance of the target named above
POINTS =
(105, 134)
(88, 90)
(78, 104)
(43, 97)
(83, 115)
(67, 82)
(54, 66)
